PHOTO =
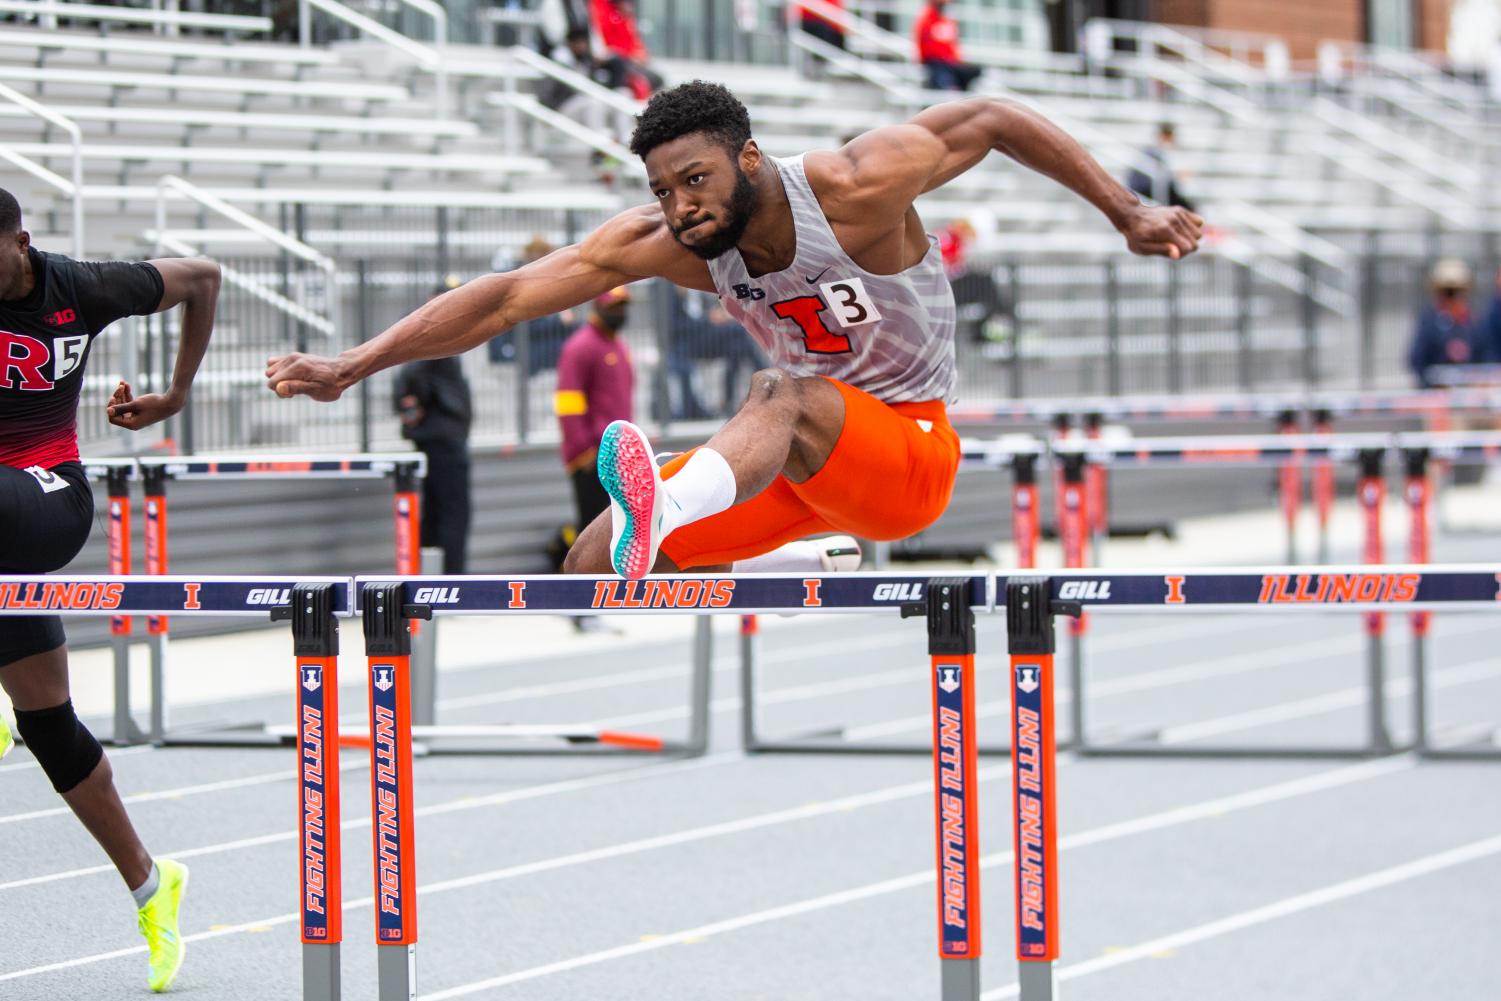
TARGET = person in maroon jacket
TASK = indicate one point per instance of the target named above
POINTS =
(51, 309)
(595, 381)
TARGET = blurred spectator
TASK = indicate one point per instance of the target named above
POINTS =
(542, 339)
(938, 49)
(953, 243)
(1490, 328)
(578, 55)
(984, 312)
(615, 20)
(1446, 333)
(701, 332)
(433, 400)
(555, 19)
(1160, 185)
(821, 27)
(595, 385)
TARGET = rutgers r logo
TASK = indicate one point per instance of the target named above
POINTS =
(23, 360)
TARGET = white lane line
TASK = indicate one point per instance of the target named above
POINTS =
(914, 674)
(1380, 879)
(1345, 698)
(1210, 808)
(113, 752)
(685, 836)
(1150, 680)
(572, 785)
(436, 809)
(883, 639)
(181, 792)
(1184, 814)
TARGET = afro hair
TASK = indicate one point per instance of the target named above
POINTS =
(10, 213)
(692, 107)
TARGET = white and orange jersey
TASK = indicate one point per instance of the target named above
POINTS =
(889, 335)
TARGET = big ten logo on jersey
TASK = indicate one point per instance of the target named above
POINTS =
(744, 291)
(851, 307)
(24, 361)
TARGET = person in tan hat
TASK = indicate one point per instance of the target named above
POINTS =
(1446, 332)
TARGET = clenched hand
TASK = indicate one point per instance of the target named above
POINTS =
(1163, 231)
(305, 375)
(133, 412)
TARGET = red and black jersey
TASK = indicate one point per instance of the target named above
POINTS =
(44, 343)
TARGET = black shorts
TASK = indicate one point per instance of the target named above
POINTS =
(45, 518)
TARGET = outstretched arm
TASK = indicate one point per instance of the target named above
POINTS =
(193, 283)
(944, 141)
(629, 247)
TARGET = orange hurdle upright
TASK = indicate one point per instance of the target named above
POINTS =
(315, 642)
(388, 647)
(1030, 634)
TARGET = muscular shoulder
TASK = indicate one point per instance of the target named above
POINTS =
(638, 242)
(875, 174)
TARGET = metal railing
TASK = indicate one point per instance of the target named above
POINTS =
(168, 21)
(73, 188)
(325, 323)
(431, 58)
(603, 103)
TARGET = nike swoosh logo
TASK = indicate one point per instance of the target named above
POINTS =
(819, 275)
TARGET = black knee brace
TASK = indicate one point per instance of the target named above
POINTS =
(62, 745)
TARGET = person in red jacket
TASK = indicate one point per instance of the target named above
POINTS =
(938, 49)
(615, 20)
(820, 27)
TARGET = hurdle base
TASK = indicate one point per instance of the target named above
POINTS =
(450, 747)
(1246, 752)
(396, 970)
(222, 734)
(320, 972)
(961, 979)
(1037, 980)
(828, 745)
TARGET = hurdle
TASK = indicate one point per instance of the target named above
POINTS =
(1417, 451)
(1033, 603)
(117, 475)
(1233, 406)
(315, 601)
(1018, 453)
(405, 469)
(947, 604)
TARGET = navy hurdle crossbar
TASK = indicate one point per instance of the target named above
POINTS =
(1232, 406)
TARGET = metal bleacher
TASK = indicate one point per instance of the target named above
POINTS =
(391, 154)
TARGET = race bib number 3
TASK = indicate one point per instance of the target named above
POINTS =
(50, 482)
(849, 302)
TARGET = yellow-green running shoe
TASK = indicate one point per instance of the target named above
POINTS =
(158, 923)
(6, 743)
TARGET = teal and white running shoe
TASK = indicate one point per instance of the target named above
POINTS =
(628, 472)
